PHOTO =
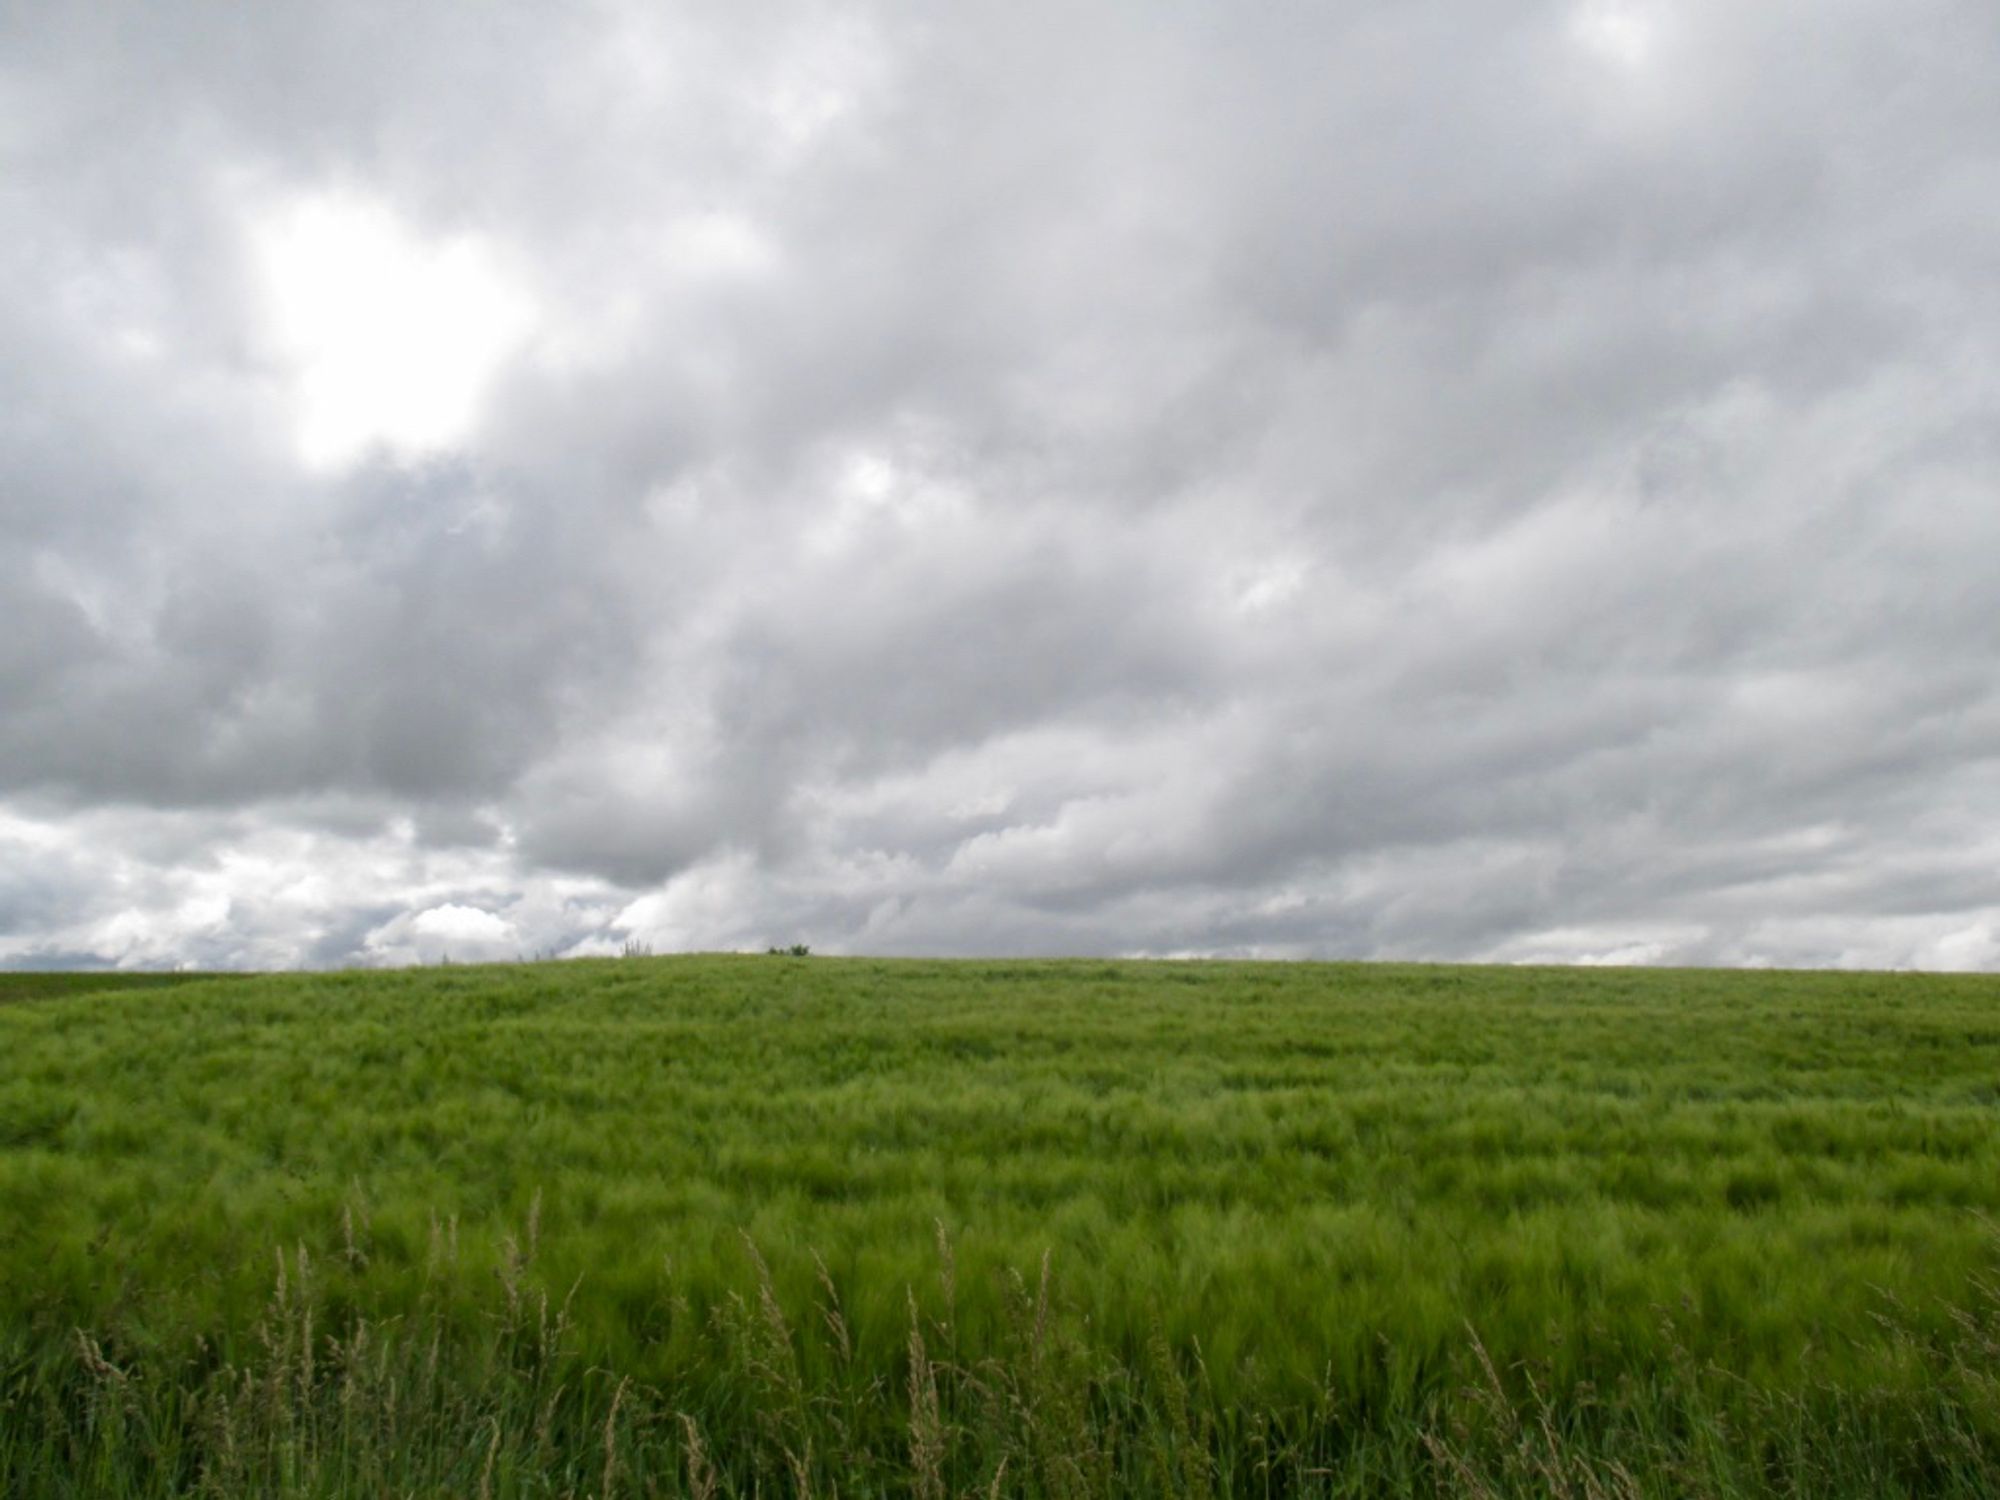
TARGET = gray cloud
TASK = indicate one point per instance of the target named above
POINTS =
(1382, 480)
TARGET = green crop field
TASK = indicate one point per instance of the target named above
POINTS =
(773, 1225)
(14, 986)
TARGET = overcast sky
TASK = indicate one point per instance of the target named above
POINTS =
(1427, 480)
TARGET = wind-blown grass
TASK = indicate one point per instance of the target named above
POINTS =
(71, 983)
(1362, 1229)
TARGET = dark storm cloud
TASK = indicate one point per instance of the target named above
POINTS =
(1396, 479)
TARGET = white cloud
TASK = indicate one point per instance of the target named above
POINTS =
(1974, 948)
(391, 338)
(715, 905)
(451, 923)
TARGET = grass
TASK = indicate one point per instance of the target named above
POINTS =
(74, 982)
(774, 1223)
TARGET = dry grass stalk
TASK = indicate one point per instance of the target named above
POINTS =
(611, 1439)
(836, 1325)
(486, 1472)
(927, 1440)
(948, 1285)
(700, 1473)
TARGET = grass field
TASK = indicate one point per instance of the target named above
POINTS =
(45, 986)
(768, 1225)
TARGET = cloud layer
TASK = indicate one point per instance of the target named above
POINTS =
(1342, 481)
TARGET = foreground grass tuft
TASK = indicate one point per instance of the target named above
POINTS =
(499, 1397)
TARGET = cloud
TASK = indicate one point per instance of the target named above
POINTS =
(391, 340)
(1513, 485)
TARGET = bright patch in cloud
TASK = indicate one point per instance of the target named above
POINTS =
(1266, 586)
(1616, 32)
(393, 339)
(719, 245)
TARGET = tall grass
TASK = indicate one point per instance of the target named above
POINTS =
(72, 983)
(673, 1226)
(489, 1391)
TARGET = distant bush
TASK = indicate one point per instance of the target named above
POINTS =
(797, 950)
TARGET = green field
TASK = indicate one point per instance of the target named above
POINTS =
(45, 986)
(844, 1226)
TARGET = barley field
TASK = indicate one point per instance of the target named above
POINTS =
(764, 1225)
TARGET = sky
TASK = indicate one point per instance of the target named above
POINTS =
(1384, 480)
